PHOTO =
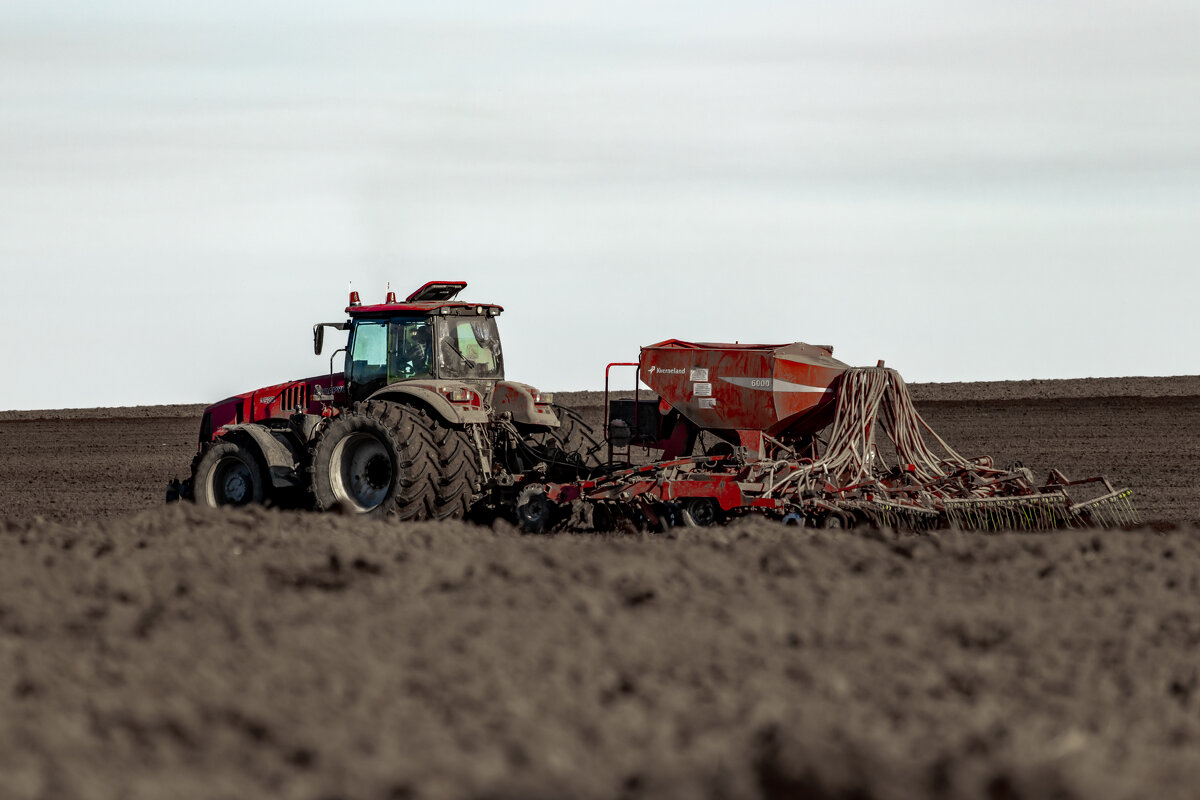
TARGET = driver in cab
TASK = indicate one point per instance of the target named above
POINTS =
(414, 359)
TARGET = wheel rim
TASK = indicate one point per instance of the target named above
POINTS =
(534, 513)
(533, 509)
(362, 473)
(232, 483)
(702, 511)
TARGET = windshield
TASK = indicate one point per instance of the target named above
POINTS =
(469, 347)
(402, 348)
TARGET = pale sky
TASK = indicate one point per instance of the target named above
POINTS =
(971, 191)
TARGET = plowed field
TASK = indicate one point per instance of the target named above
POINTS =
(150, 651)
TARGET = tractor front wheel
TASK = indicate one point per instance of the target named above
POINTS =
(376, 458)
(227, 474)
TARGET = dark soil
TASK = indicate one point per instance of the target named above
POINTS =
(150, 651)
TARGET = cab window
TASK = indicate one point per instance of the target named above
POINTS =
(411, 349)
(470, 348)
(368, 355)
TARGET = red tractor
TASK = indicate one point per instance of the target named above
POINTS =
(420, 424)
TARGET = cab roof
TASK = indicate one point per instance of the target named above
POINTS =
(418, 309)
(432, 298)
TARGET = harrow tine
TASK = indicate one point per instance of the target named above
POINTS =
(1031, 512)
(1107, 510)
(1127, 510)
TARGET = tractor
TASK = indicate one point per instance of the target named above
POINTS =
(420, 424)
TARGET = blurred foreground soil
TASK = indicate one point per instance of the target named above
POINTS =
(150, 651)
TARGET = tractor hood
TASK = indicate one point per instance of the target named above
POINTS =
(278, 400)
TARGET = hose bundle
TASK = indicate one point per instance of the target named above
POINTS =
(876, 395)
(853, 475)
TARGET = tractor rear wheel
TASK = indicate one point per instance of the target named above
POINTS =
(458, 471)
(227, 474)
(376, 458)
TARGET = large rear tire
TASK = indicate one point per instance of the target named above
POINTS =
(458, 471)
(227, 474)
(377, 458)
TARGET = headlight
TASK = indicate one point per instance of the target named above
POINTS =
(460, 394)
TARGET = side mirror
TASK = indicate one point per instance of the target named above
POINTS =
(318, 338)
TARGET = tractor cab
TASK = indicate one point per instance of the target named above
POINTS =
(430, 337)
(402, 347)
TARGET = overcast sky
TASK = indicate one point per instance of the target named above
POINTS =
(971, 191)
